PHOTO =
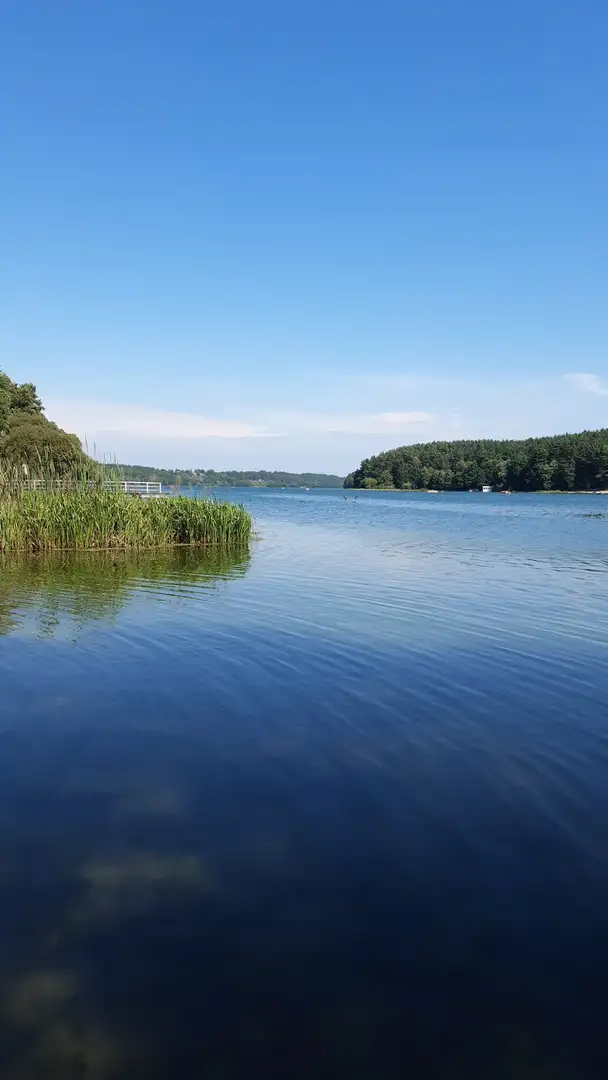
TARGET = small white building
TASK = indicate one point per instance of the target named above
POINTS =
(486, 489)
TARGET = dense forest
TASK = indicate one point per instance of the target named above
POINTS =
(27, 438)
(553, 463)
(211, 478)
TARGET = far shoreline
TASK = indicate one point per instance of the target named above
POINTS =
(466, 491)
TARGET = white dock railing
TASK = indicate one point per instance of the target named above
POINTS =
(148, 488)
(135, 487)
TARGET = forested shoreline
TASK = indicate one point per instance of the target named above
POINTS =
(227, 478)
(576, 462)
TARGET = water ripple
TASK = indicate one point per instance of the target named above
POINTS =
(334, 806)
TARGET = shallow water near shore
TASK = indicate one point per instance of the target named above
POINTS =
(333, 806)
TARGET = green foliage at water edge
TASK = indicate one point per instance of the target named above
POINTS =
(209, 478)
(85, 519)
(552, 463)
(29, 443)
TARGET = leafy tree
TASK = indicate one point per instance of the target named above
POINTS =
(25, 399)
(385, 479)
(16, 398)
(603, 466)
(32, 440)
(400, 474)
(565, 473)
(5, 404)
(27, 439)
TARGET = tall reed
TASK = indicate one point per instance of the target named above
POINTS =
(87, 518)
(82, 473)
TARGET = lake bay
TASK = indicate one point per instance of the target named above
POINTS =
(336, 806)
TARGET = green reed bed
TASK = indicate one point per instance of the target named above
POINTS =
(83, 519)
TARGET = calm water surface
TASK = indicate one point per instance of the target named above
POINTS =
(336, 807)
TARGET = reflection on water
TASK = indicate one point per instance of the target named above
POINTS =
(80, 587)
(338, 810)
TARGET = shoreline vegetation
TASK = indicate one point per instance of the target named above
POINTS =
(210, 478)
(554, 463)
(477, 491)
(71, 508)
(84, 519)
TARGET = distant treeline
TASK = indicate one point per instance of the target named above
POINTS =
(553, 463)
(210, 478)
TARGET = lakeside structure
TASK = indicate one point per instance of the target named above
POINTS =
(147, 489)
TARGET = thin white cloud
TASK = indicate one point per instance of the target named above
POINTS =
(89, 419)
(355, 423)
(351, 424)
(587, 383)
(86, 418)
(397, 381)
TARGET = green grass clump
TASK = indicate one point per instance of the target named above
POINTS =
(36, 521)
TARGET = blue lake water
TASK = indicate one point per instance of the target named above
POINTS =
(333, 807)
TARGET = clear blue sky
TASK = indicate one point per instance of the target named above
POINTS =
(282, 234)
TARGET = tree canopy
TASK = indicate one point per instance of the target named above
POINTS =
(27, 438)
(16, 398)
(552, 463)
